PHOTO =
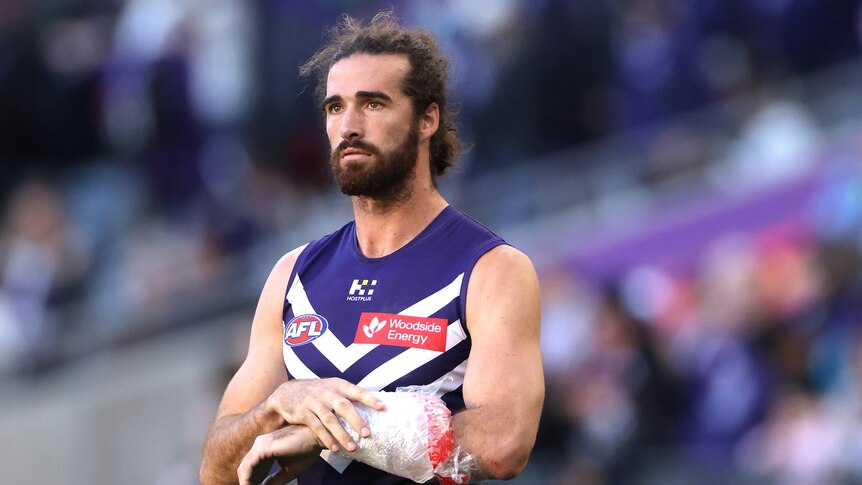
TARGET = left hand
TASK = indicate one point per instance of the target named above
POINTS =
(295, 448)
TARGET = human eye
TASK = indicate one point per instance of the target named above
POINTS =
(375, 105)
(333, 108)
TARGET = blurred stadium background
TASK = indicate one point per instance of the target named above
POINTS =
(687, 176)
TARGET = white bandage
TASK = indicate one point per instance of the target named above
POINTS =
(412, 438)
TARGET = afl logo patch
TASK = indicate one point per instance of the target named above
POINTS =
(303, 329)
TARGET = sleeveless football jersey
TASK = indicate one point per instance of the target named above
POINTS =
(383, 323)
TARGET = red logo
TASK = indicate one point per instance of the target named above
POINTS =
(302, 329)
(402, 331)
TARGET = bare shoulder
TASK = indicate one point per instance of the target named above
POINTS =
(284, 266)
(277, 282)
(503, 269)
(267, 323)
(504, 260)
(503, 287)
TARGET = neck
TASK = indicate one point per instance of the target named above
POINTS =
(384, 227)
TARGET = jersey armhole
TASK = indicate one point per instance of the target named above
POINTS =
(300, 259)
(471, 263)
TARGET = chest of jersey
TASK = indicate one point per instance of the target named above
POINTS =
(387, 327)
(386, 322)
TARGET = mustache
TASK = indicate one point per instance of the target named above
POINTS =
(358, 144)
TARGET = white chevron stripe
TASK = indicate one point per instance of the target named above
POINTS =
(343, 357)
(410, 360)
(295, 368)
(435, 302)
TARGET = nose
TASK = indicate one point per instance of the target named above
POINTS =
(351, 125)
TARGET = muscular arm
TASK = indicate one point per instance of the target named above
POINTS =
(504, 385)
(260, 400)
(243, 413)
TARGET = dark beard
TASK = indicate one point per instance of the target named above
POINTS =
(384, 180)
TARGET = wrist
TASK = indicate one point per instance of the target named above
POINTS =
(438, 452)
(444, 455)
(452, 464)
(267, 416)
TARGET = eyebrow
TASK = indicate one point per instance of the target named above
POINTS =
(360, 95)
(373, 95)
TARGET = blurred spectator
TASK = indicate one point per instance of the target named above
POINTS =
(796, 444)
(49, 86)
(43, 266)
(779, 141)
(179, 74)
(654, 59)
(553, 84)
(622, 397)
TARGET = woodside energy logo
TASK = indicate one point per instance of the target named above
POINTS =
(402, 331)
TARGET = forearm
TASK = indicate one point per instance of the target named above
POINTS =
(230, 438)
(499, 445)
(417, 438)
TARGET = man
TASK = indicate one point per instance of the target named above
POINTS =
(411, 293)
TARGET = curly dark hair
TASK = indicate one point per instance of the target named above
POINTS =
(425, 83)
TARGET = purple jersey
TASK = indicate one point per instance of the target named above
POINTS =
(384, 322)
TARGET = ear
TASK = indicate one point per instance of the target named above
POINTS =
(429, 122)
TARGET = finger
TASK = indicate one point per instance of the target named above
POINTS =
(243, 473)
(256, 464)
(321, 432)
(347, 411)
(364, 396)
(333, 425)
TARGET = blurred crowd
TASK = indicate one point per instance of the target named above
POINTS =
(159, 155)
(743, 364)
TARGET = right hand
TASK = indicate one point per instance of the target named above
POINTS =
(294, 447)
(318, 403)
